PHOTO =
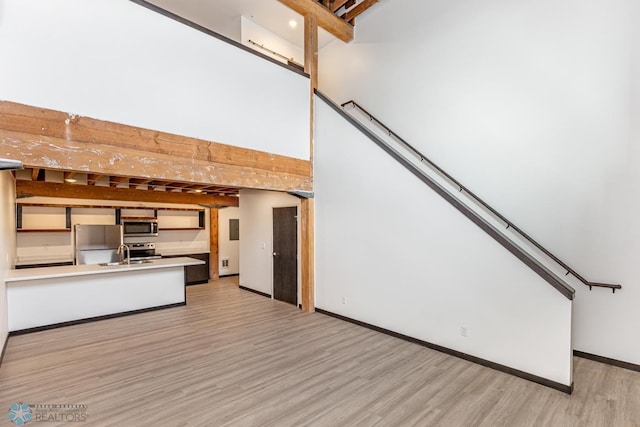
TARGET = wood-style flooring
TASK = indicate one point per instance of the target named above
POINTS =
(231, 357)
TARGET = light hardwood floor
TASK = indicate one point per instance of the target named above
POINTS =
(231, 357)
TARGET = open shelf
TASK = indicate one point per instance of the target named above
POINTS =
(140, 217)
(43, 230)
(180, 228)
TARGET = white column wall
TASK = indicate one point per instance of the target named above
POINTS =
(392, 253)
(228, 248)
(535, 106)
(7, 244)
(256, 237)
(115, 60)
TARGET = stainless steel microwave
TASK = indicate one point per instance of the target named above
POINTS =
(139, 227)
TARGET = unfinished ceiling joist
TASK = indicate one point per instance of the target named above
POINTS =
(52, 189)
(326, 19)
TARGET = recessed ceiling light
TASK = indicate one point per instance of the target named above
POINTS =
(198, 191)
(293, 23)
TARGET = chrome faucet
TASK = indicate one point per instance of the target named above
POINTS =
(121, 253)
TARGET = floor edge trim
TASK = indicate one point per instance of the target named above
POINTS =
(264, 294)
(477, 360)
(607, 360)
(93, 319)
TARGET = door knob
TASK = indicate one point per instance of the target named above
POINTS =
(275, 253)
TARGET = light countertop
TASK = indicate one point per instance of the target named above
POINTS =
(90, 269)
(25, 260)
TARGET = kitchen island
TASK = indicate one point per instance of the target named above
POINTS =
(47, 297)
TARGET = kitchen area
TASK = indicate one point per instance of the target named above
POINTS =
(79, 260)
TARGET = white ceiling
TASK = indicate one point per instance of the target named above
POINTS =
(223, 16)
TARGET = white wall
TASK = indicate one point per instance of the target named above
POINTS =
(7, 244)
(535, 106)
(392, 253)
(273, 42)
(229, 249)
(115, 60)
(256, 237)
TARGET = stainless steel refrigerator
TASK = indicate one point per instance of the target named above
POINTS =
(95, 244)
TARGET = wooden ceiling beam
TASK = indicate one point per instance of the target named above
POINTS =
(92, 178)
(326, 19)
(79, 129)
(114, 181)
(353, 13)
(34, 174)
(337, 4)
(85, 145)
(76, 191)
(178, 184)
(134, 182)
(222, 189)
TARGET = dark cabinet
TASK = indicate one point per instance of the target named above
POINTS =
(195, 274)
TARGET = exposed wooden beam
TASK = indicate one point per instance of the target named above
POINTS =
(326, 19)
(174, 185)
(104, 148)
(92, 178)
(59, 125)
(311, 49)
(214, 258)
(51, 189)
(325, 3)
(34, 174)
(114, 181)
(222, 189)
(69, 175)
(366, 4)
(134, 182)
(307, 265)
(337, 4)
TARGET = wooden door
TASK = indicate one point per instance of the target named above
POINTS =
(285, 254)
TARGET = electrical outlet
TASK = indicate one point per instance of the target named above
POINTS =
(463, 331)
(344, 300)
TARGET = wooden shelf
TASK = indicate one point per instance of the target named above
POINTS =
(153, 218)
(180, 228)
(93, 206)
(44, 230)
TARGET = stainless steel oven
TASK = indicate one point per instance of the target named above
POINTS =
(139, 227)
(142, 251)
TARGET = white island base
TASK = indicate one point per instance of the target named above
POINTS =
(42, 298)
